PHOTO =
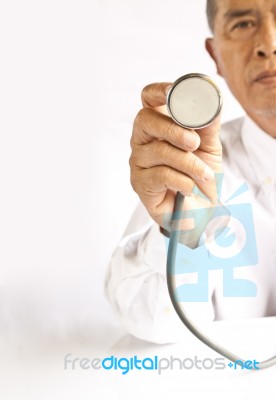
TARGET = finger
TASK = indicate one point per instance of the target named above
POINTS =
(158, 180)
(150, 125)
(163, 153)
(209, 137)
(154, 95)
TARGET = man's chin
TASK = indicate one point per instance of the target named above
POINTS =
(263, 107)
(268, 111)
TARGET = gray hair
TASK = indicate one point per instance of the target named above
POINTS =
(211, 10)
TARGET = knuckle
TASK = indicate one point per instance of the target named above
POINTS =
(135, 160)
(140, 118)
(137, 127)
(145, 90)
(134, 180)
(137, 120)
(131, 141)
(139, 156)
(144, 95)
(131, 161)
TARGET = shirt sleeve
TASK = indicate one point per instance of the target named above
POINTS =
(136, 287)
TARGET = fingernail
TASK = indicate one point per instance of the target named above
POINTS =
(208, 174)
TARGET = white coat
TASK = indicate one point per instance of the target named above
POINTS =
(136, 277)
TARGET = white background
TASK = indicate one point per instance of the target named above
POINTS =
(71, 73)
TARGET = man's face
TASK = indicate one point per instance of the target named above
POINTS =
(244, 49)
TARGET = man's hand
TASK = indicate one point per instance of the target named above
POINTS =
(167, 158)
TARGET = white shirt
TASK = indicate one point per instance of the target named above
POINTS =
(136, 278)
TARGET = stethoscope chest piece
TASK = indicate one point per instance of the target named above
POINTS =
(194, 101)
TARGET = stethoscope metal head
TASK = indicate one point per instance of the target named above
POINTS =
(194, 101)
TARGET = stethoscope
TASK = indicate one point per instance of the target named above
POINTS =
(193, 102)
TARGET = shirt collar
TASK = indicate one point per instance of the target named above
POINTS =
(261, 150)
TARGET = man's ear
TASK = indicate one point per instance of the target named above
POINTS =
(210, 47)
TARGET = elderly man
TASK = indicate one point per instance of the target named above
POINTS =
(167, 158)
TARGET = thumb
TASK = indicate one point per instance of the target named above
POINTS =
(155, 94)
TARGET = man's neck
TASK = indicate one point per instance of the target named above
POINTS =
(267, 123)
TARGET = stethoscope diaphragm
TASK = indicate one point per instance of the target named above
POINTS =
(194, 101)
